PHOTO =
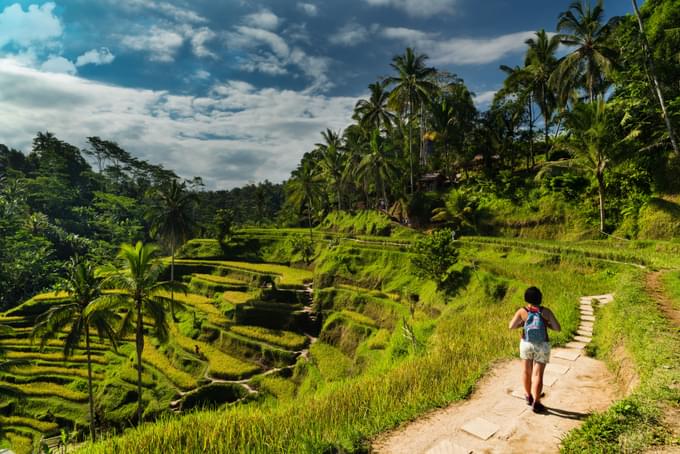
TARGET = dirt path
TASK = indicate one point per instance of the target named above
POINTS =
(495, 419)
(655, 289)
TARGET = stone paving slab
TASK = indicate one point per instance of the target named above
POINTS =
(585, 339)
(448, 447)
(578, 345)
(588, 318)
(509, 407)
(584, 332)
(549, 379)
(568, 354)
(586, 325)
(480, 428)
(553, 368)
(586, 311)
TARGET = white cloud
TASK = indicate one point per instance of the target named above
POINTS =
(418, 8)
(101, 56)
(57, 64)
(262, 19)
(483, 99)
(160, 43)
(269, 53)
(235, 134)
(461, 51)
(36, 25)
(201, 74)
(199, 38)
(350, 34)
(308, 8)
(176, 13)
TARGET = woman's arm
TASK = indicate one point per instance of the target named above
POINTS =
(553, 324)
(517, 320)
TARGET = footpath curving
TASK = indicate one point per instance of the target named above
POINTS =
(496, 419)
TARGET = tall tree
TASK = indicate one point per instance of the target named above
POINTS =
(332, 161)
(84, 309)
(138, 286)
(172, 218)
(413, 86)
(592, 143)
(651, 69)
(374, 112)
(519, 85)
(304, 188)
(582, 26)
(540, 63)
(377, 166)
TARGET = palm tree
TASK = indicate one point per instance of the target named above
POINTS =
(540, 63)
(138, 287)
(583, 26)
(374, 112)
(412, 88)
(332, 163)
(592, 144)
(83, 310)
(172, 218)
(377, 165)
(305, 187)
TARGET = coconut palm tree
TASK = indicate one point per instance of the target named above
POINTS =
(139, 289)
(377, 166)
(172, 219)
(413, 86)
(591, 143)
(374, 112)
(540, 63)
(582, 26)
(84, 309)
(332, 161)
(305, 188)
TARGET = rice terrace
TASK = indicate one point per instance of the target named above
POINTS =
(420, 227)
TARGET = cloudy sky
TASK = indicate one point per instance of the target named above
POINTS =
(235, 91)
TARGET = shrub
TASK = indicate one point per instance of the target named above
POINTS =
(434, 257)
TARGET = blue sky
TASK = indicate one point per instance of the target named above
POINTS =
(235, 91)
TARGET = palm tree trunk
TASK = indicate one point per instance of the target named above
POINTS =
(89, 381)
(172, 277)
(655, 81)
(309, 217)
(410, 144)
(140, 348)
(339, 199)
(531, 130)
(600, 191)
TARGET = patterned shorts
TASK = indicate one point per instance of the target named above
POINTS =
(539, 351)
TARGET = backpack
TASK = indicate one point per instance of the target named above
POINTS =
(534, 328)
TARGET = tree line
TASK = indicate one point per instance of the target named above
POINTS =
(603, 112)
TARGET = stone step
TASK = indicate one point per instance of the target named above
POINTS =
(558, 369)
(584, 332)
(576, 345)
(570, 354)
(480, 428)
(588, 318)
(584, 339)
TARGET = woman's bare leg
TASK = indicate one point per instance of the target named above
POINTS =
(528, 366)
(537, 380)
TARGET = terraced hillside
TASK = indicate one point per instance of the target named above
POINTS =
(242, 326)
(322, 375)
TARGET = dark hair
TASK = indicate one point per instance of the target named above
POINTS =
(533, 296)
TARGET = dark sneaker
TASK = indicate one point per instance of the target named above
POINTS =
(530, 399)
(538, 407)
